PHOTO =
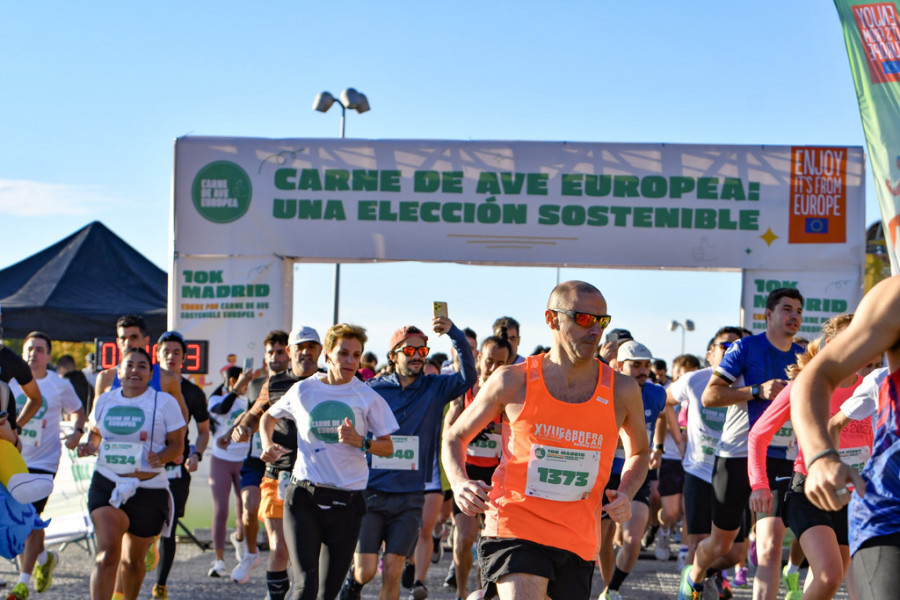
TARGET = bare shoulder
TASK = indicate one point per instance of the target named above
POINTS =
(507, 381)
(626, 389)
(105, 379)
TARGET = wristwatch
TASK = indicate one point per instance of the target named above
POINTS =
(198, 455)
(754, 390)
(366, 445)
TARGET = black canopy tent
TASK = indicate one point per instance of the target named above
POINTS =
(77, 288)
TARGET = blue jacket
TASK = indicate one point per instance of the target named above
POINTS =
(419, 410)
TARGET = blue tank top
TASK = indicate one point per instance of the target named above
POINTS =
(154, 381)
(878, 513)
(654, 397)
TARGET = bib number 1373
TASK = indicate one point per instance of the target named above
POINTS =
(561, 474)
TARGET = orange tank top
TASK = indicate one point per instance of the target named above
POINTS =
(555, 463)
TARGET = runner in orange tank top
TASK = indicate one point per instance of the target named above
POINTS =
(563, 412)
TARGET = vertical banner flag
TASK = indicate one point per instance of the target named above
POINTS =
(872, 35)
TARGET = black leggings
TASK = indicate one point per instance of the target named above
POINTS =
(875, 566)
(306, 527)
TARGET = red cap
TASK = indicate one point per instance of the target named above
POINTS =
(404, 333)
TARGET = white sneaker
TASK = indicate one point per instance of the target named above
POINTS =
(610, 595)
(218, 569)
(241, 573)
(662, 544)
(240, 546)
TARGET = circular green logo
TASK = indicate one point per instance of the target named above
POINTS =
(221, 192)
(21, 399)
(539, 453)
(326, 418)
(124, 420)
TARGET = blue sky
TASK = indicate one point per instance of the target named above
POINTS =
(94, 95)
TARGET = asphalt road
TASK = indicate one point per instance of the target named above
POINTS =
(650, 580)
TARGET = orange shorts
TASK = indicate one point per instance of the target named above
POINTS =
(270, 506)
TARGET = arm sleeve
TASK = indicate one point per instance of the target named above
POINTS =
(380, 418)
(456, 384)
(68, 396)
(761, 434)
(864, 401)
(282, 408)
(732, 365)
(173, 417)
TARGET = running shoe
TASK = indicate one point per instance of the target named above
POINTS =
(740, 577)
(610, 595)
(437, 551)
(19, 592)
(682, 557)
(722, 586)
(685, 590)
(218, 569)
(151, 559)
(240, 546)
(241, 573)
(794, 595)
(418, 591)
(409, 575)
(791, 580)
(649, 536)
(450, 579)
(43, 573)
(159, 592)
(662, 544)
(351, 590)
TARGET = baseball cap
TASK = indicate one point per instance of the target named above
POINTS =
(303, 333)
(631, 350)
(172, 336)
(405, 333)
(623, 334)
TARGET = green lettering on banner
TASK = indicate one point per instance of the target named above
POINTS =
(732, 189)
(451, 182)
(426, 182)
(537, 184)
(365, 181)
(571, 184)
(487, 183)
(706, 188)
(337, 180)
(390, 181)
(597, 185)
(625, 186)
(309, 180)
(680, 186)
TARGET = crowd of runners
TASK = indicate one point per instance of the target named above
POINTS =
(543, 467)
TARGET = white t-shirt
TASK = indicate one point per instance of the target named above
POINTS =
(41, 447)
(236, 451)
(864, 401)
(704, 424)
(128, 423)
(318, 409)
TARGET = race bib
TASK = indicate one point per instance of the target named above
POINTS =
(173, 471)
(284, 478)
(255, 446)
(856, 457)
(486, 448)
(121, 457)
(405, 456)
(561, 474)
(32, 432)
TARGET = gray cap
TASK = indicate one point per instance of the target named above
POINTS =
(303, 333)
(632, 350)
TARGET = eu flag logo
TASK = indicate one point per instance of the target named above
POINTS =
(816, 225)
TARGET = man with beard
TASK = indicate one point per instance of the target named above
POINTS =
(395, 492)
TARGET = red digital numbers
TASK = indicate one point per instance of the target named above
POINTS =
(196, 359)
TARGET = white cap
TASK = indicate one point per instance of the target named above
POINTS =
(303, 333)
(632, 350)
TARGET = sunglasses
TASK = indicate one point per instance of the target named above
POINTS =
(411, 351)
(725, 345)
(585, 319)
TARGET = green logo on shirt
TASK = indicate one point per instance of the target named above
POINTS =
(21, 399)
(124, 420)
(326, 418)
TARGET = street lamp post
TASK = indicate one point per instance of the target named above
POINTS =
(353, 100)
(687, 325)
